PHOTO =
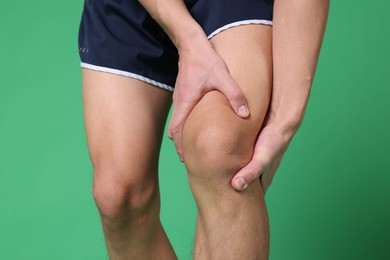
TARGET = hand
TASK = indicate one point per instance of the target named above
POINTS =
(269, 149)
(200, 71)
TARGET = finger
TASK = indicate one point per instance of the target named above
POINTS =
(235, 97)
(181, 109)
(175, 130)
(180, 113)
(249, 173)
(178, 144)
(262, 157)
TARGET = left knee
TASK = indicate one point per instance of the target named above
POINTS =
(213, 151)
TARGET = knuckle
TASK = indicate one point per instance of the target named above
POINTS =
(236, 93)
(253, 174)
(174, 129)
(190, 96)
(249, 174)
(260, 166)
(233, 92)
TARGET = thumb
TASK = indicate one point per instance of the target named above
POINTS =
(235, 97)
(249, 173)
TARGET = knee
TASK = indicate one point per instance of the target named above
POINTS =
(118, 191)
(212, 150)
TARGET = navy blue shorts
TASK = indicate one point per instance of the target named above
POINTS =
(120, 37)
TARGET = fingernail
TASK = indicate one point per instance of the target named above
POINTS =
(241, 183)
(243, 110)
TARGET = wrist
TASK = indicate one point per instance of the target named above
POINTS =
(177, 22)
(286, 122)
(288, 105)
(191, 38)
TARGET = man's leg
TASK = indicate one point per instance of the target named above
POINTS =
(217, 143)
(124, 122)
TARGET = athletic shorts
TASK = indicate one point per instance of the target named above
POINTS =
(120, 37)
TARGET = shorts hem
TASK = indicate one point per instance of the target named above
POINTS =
(238, 23)
(127, 74)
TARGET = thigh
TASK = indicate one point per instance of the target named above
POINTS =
(124, 122)
(247, 52)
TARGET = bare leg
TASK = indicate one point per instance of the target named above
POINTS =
(216, 143)
(124, 121)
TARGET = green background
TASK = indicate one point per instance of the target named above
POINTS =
(329, 200)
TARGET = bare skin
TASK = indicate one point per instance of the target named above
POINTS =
(298, 29)
(211, 134)
(201, 69)
(217, 143)
(124, 122)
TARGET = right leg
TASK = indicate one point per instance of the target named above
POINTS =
(124, 122)
(217, 143)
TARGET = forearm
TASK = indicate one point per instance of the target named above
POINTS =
(298, 29)
(174, 18)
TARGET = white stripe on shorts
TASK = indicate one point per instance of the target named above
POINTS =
(231, 25)
(127, 74)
